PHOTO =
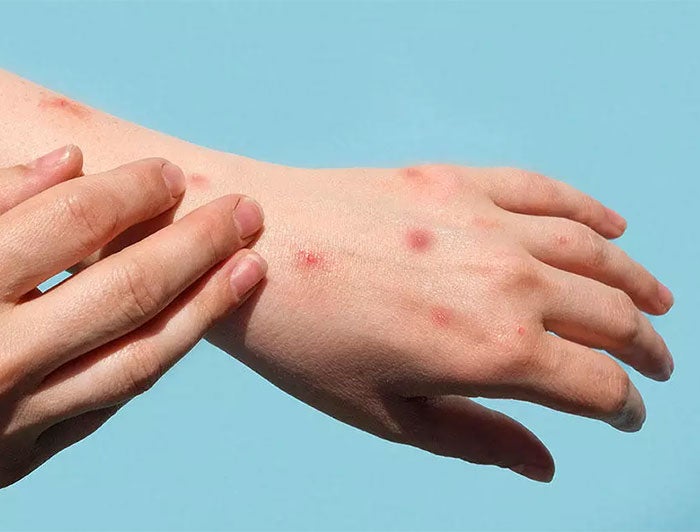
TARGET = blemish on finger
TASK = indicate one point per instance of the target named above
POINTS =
(198, 181)
(521, 330)
(419, 240)
(309, 260)
(64, 105)
(441, 317)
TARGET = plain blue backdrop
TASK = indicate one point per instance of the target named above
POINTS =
(603, 95)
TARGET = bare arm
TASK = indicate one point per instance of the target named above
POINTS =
(393, 295)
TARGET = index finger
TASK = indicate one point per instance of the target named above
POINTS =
(60, 226)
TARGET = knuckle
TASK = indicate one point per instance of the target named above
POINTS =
(617, 393)
(627, 320)
(519, 272)
(142, 370)
(139, 295)
(85, 215)
(598, 250)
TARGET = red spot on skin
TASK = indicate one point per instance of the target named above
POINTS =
(308, 259)
(521, 330)
(441, 316)
(65, 105)
(415, 175)
(419, 240)
(199, 181)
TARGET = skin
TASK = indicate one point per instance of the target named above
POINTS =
(395, 295)
(108, 333)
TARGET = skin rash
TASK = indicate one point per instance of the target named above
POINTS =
(64, 105)
(419, 240)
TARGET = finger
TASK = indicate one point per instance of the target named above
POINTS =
(130, 365)
(531, 193)
(461, 428)
(69, 432)
(545, 369)
(588, 312)
(58, 227)
(57, 438)
(21, 182)
(122, 292)
(576, 248)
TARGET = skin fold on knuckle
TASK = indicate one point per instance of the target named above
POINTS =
(83, 211)
(137, 293)
(142, 368)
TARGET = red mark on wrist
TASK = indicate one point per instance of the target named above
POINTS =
(419, 240)
(60, 103)
(441, 316)
(306, 259)
(199, 181)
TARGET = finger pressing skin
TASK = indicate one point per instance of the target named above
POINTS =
(576, 248)
(58, 227)
(588, 312)
(461, 428)
(21, 182)
(130, 365)
(122, 292)
(531, 193)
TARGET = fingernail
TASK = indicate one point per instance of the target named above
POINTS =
(665, 296)
(533, 472)
(174, 179)
(617, 220)
(53, 159)
(633, 414)
(247, 273)
(248, 217)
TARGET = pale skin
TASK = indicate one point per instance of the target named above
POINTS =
(73, 355)
(393, 296)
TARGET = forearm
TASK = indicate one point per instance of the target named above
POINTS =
(33, 119)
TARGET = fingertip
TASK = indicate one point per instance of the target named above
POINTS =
(249, 269)
(665, 297)
(534, 472)
(617, 222)
(61, 164)
(633, 414)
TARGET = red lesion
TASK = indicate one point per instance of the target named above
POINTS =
(419, 240)
(199, 181)
(63, 104)
(309, 260)
(441, 316)
(415, 176)
(521, 330)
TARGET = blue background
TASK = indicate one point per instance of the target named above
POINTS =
(605, 96)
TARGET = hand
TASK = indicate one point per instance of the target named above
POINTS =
(404, 292)
(393, 295)
(72, 356)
